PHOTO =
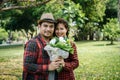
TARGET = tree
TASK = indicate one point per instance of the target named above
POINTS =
(19, 15)
(94, 11)
(73, 13)
(22, 21)
(111, 9)
(112, 30)
(3, 35)
(20, 4)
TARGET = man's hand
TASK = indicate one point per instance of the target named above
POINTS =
(54, 65)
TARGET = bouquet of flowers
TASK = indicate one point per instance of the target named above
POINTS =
(59, 47)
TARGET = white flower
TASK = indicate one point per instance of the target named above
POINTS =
(53, 41)
(61, 39)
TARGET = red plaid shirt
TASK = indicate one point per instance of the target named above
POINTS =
(70, 64)
(36, 60)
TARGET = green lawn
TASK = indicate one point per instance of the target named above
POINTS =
(98, 61)
(11, 63)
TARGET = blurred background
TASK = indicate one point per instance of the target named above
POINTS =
(94, 26)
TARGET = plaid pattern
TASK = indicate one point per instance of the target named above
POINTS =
(70, 64)
(36, 60)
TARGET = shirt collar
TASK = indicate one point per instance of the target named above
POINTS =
(42, 39)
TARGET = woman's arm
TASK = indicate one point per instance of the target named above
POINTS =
(72, 62)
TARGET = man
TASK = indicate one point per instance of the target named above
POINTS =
(36, 65)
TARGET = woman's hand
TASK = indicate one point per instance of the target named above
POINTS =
(61, 61)
(54, 65)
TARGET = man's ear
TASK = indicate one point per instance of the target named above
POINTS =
(38, 26)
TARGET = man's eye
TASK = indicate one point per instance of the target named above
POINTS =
(45, 25)
(51, 26)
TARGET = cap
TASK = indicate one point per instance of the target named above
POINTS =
(47, 17)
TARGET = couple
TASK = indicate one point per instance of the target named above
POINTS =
(37, 65)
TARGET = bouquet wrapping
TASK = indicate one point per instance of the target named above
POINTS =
(59, 47)
(54, 52)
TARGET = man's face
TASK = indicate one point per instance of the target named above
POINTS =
(46, 29)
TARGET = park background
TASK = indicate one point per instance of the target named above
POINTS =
(94, 26)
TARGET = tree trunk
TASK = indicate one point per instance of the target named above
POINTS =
(25, 33)
(38, 3)
(111, 41)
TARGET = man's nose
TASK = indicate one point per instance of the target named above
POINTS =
(48, 28)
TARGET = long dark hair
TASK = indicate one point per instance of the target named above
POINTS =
(65, 23)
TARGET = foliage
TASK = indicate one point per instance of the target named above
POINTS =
(16, 35)
(84, 16)
(112, 4)
(26, 20)
(3, 34)
(73, 13)
(75, 16)
(18, 15)
(111, 10)
(94, 11)
(20, 19)
(111, 29)
(68, 10)
(56, 9)
(20, 4)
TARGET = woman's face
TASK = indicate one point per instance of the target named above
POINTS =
(60, 30)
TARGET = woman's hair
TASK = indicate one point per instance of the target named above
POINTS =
(59, 21)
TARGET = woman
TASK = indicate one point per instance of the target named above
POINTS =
(71, 62)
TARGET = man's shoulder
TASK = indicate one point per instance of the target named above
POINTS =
(31, 45)
(33, 40)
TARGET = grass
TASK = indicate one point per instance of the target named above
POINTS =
(11, 63)
(98, 61)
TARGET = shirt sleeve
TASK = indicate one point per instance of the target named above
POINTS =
(30, 59)
(72, 62)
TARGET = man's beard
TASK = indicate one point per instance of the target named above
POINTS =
(48, 37)
(49, 33)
